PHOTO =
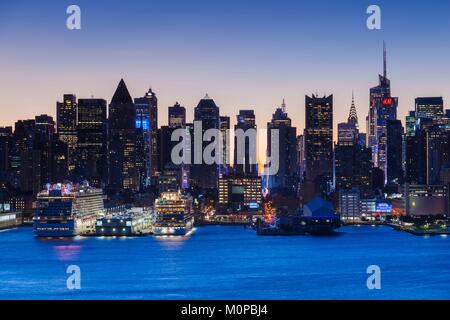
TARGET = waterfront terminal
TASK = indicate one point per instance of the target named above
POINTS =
(9, 220)
(130, 222)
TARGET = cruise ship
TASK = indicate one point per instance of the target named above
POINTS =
(173, 214)
(67, 211)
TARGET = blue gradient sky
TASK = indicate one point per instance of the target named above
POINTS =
(245, 54)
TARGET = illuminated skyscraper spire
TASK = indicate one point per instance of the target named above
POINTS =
(353, 117)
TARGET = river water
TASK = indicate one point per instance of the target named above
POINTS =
(227, 263)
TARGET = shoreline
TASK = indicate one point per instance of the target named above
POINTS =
(396, 227)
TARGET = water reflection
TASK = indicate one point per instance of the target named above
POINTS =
(67, 252)
(174, 242)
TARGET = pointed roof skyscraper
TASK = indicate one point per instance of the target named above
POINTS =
(122, 95)
(353, 116)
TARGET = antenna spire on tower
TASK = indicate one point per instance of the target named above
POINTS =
(384, 60)
(283, 106)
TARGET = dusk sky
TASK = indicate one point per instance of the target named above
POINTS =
(244, 54)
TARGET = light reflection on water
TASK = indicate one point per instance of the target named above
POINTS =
(67, 252)
(227, 263)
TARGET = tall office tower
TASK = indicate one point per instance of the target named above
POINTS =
(416, 152)
(362, 137)
(245, 141)
(204, 175)
(37, 156)
(224, 125)
(91, 160)
(66, 125)
(6, 141)
(147, 155)
(347, 134)
(177, 120)
(177, 116)
(408, 147)
(411, 159)
(410, 121)
(395, 175)
(301, 157)
(122, 141)
(438, 152)
(383, 107)
(60, 160)
(353, 168)
(189, 156)
(427, 142)
(318, 145)
(169, 179)
(429, 107)
(165, 147)
(285, 180)
(353, 163)
(42, 153)
(21, 160)
(142, 146)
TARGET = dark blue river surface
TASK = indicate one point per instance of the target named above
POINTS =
(227, 263)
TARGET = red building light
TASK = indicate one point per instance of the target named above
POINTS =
(387, 101)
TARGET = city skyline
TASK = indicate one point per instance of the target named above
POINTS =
(288, 59)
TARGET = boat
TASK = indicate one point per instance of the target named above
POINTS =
(173, 214)
(67, 210)
(317, 217)
(320, 217)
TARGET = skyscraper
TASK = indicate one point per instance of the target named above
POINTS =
(318, 145)
(416, 150)
(177, 116)
(202, 174)
(165, 147)
(42, 151)
(383, 107)
(301, 158)
(224, 125)
(245, 159)
(6, 141)
(353, 116)
(348, 132)
(353, 163)
(122, 141)
(438, 152)
(66, 125)
(21, 160)
(60, 160)
(147, 156)
(47, 161)
(91, 142)
(429, 107)
(285, 180)
(394, 166)
(170, 171)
